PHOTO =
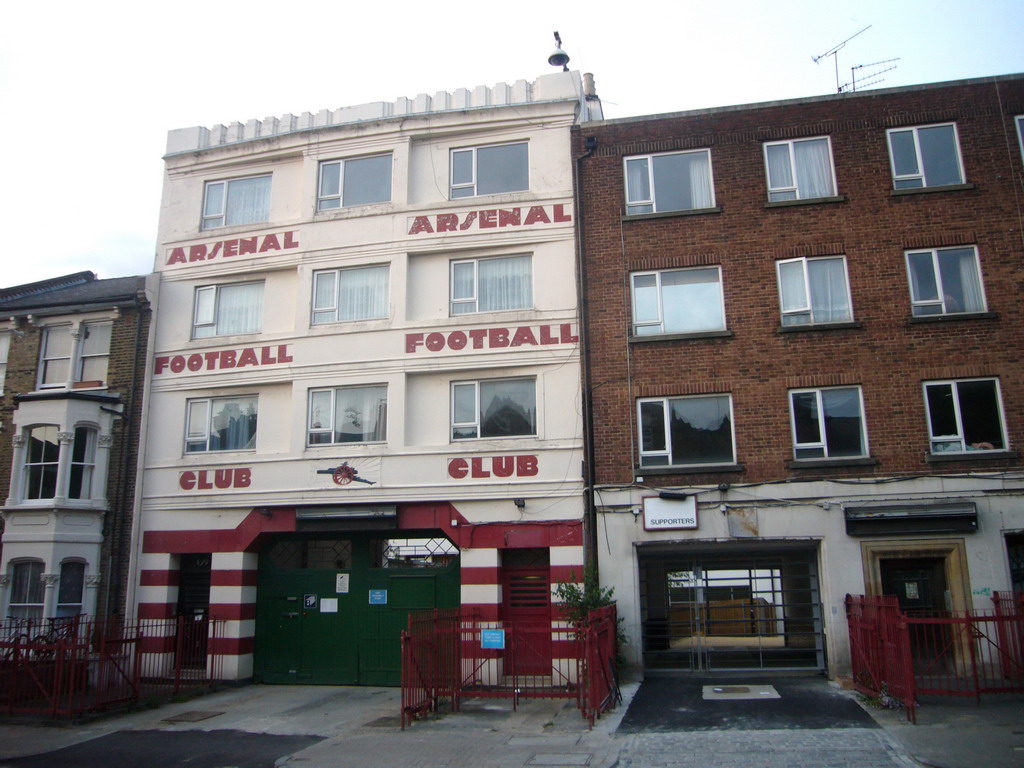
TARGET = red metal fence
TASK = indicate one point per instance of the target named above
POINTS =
(66, 667)
(948, 653)
(454, 655)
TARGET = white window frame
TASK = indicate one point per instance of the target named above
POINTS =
(34, 589)
(86, 354)
(5, 350)
(28, 494)
(906, 180)
(478, 420)
(48, 358)
(211, 317)
(781, 193)
(466, 305)
(919, 306)
(821, 444)
(656, 326)
(205, 430)
(78, 354)
(333, 312)
(333, 200)
(791, 317)
(85, 438)
(652, 201)
(470, 187)
(666, 452)
(327, 421)
(1018, 121)
(68, 608)
(219, 218)
(949, 442)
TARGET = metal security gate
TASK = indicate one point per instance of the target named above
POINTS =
(331, 607)
(751, 609)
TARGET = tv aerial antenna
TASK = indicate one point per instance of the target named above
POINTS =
(868, 78)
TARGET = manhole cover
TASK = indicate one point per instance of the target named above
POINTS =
(739, 692)
(192, 716)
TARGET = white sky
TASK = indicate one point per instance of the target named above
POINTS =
(89, 90)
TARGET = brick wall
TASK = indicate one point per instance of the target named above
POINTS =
(886, 354)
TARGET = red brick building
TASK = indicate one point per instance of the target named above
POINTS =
(802, 339)
(72, 375)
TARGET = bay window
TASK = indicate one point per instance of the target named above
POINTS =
(27, 591)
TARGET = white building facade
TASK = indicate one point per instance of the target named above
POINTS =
(365, 376)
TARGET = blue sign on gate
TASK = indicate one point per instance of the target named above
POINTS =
(378, 597)
(492, 638)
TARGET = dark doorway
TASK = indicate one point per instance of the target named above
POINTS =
(193, 610)
(526, 605)
(918, 583)
(1015, 554)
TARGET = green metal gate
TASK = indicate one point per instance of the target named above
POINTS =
(331, 607)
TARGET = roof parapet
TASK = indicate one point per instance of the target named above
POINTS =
(560, 86)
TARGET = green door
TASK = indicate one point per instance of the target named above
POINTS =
(331, 608)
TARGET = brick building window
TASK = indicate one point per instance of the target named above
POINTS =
(945, 281)
(679, 181)
(225, 310)
(41, 461)
(800, 169)
(236, 201)
(359, 293)
(489, 170)
(964, 415)
(814, 290)
(926, 156)
(494, 408)
(27, 591)
(686, 431)
(356, 181)
(678, 301)
(828, 423)
(348, 415)
(5, 348)
(221, 424)
(1019, 122)
(491, 285)
(68, 356)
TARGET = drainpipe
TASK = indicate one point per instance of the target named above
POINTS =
(590, 510)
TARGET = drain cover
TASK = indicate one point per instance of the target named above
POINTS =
(739, 692)
(192, 716)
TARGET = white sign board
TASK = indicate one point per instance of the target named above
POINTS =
(328, 605)
(341, 583)
(667, 514)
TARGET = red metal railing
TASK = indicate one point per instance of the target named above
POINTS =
(66, 667)
(948, 653)
(454, 655)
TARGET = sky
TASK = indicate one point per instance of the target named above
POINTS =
(89, 90)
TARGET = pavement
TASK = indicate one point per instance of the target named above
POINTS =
(777, 722)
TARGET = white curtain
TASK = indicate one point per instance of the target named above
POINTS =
(780, 174)
(794, 293)
(505, 284)
(239, 308)
(829, 300)
(970, 281)
(248, 201)
(360, 415)
(363, 293)
(700, 181)
(813, 169)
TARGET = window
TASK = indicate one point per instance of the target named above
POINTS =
(489, 170)
(348, 415)
(964, 415)
(945, 281)
(357, 181)
(221, 424)
(55, 366)
(94, 351)
(828, 423)
(494, 408)
(678, 301)
(925, 157)
(686, 431)
(800, 170)
(492, 285)
(1019, 122)
(69, 592)
(360, 293)
(236, 201)
(5, 347)
(814, 291)
(223, 310)
(83, 463)
(677, 182)
(26, 590)
(43, 453)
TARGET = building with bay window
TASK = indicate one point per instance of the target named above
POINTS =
(73, 369)
(802, 324)
(365, 376)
